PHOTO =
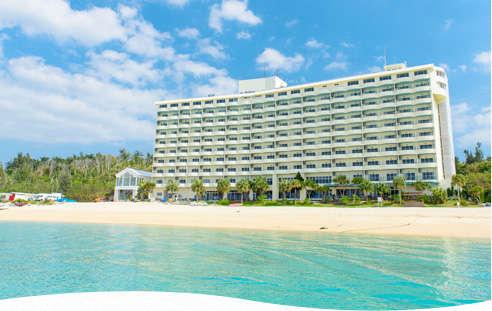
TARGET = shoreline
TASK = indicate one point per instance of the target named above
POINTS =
(428, 221)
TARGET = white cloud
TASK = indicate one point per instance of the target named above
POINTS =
(197, 69)
(463, 67)
(448, 24)
(55, 18)
(217, 85)
(336, 65)
(112, 65)
(275, 60)
(379, 58)
(483, 59)
(470, 125)
(313, 43)
(55, 106)
(445, 67)
(190, 33)
(292, 23)
(214, 49)
(347, 45)
(179, 3)
(243, 35)
(2, 37)
(144, 39)
(231, 10)
(374, 69)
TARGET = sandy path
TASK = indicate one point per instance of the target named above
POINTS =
(448, 222)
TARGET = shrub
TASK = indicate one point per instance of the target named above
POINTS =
(356, 198)
(306, 201)
(328, 199)
(224, 202)
(261, 199)
(438, 196)
(345, 199)
(426, 199)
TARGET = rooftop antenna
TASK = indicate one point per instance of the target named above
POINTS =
(277, 73)
(385, 55)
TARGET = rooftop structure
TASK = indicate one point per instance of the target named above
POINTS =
(376, 126)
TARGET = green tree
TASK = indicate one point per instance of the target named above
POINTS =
(341, 181)
(310, 186)
(299, 177)
(198, 188)
(242, 187)
(172, 187)
(366, 187)
(438, 196)
(284, 186)
(260, 186)
(399, 183)
(145, 188)
(324, 190)
(421, 186)
(223, 187)
(476, 194)
(295, 184)
(357, 181)
(458, 181)
(382, 189)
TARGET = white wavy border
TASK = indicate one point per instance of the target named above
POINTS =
(150, 301)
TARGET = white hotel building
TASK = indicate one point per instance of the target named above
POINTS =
(375, 126)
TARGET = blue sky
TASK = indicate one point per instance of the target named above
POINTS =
(83, 76)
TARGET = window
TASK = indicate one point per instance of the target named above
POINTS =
(170, 171)
(372, 162)
(391, 162)
(183, 160)
(340, 152)
(409, 176)
(326, 153)
(182, 170)
(352, 83)
(208, 102)
(357, 151)
(427, 160)
(295, 92)
(406, 123)
(372, 150)
(425, 146)
(162, 106)
(297, 167)
(390, 137)
(373, 177)
(197, 103)
(428, 175)
(311, 154)
(406, 147)
(402, 75)
(370, 80)
(425, 134)
(408, 161)
(309, 89)
(282, 167)
(245, 169)
(326, 165)
(406, 135)
(173, 105)
(297, 155)
(357, 139)
(270, 168)
(391, 176)
(423, 108)
(357, 164)
(219, 159)
(311, 166)
(160, 171)
(219, 170)
(282, 93)
(390, 149)
(257, 169)
(372, 138)
(384, 78)
(420, 72)
(343, 164)
(231, 169)
(424, 121)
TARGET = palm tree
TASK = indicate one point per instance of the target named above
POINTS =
(341, 180)
(198, 188)
(459, 181)
(242, 186)
(357, 181)
(422, 186)
(223, 187)
(260, 185)
(172, 187)
(366, 187)
(399, 183)
(310, 186)
(295, 184)
(324, 190)
(382, 189)
(145, 188)
(284, 186)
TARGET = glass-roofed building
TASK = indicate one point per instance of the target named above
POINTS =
(127, 182)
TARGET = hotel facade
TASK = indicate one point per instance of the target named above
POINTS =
(376, 126)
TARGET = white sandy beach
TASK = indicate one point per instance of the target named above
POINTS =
(445, 222)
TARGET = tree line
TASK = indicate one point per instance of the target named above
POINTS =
(82, 177)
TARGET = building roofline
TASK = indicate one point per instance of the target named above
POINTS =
(288, 88)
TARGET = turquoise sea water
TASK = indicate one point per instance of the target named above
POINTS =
(338, 271)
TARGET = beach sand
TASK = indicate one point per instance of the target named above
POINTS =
(443, 222)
